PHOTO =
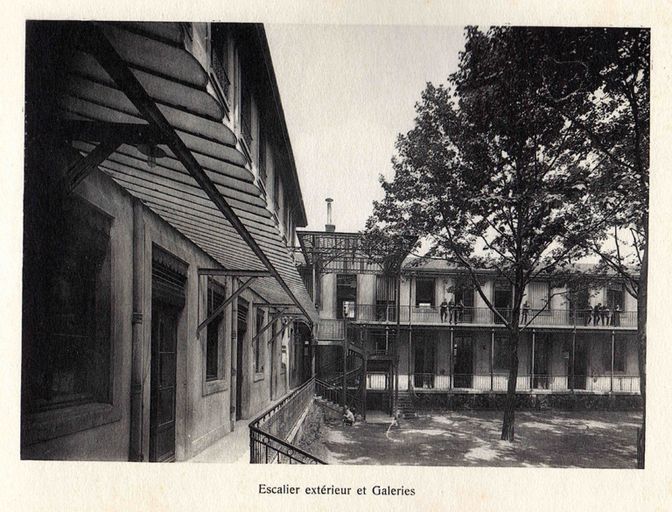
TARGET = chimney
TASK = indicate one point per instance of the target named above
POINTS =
(329, 227)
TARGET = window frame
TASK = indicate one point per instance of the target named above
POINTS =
(211, 385)
(258, 352)
(432, 303)
(52, 420)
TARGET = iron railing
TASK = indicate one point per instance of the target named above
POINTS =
(329, 329)
(478, 315)
(498, 381)
(334, 394)
(269, 432)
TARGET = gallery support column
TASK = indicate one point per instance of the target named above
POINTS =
(532, 362)
(492, 360)
(137, 360)
(572, 361)
(450, 355)
(611, 378)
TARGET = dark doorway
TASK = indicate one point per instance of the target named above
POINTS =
(241, 329)
(168, 280)
(463, 362)
(579, 366)
(162, 403)
(542, 349)
(423, 374)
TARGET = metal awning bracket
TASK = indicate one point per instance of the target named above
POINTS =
(226, 302)
(273, 319)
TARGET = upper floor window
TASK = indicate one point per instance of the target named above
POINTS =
(262, 157)
(276, 190)
(615, 296)
(220, 63)
(346, 295)
(246, 110)
(424, 292)
(464, 292)
(539, 295)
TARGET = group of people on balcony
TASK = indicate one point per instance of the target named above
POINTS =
(451, 311)
(602, 315)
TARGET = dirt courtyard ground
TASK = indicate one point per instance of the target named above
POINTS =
(587, 439)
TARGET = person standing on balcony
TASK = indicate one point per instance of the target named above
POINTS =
(526, 311)
(617, 316)
(452, 311)
(444, 310)
(606, 315)
(587, 314)
(597, 311)
(460, 310)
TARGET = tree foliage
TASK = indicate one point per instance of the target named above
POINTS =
(527, 158)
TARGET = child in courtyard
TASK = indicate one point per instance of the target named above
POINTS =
(348, 417)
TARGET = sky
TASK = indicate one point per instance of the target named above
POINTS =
(347, 92)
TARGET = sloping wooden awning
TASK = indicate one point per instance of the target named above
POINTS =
(138, 75)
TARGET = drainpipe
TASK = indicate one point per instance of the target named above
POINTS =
(136, 439)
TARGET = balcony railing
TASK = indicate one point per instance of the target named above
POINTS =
(485, 316)
(330, 329)
(270, 431)
(603, 383)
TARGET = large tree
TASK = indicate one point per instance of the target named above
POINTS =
(598, 80)
(496, 177)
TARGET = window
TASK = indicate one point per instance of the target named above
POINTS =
(539, 295)
(464, 291)
(579, 299)
(246, 111)
(68, 344)
(262, 157)
(258, 344)
(501, 357)
(346, 295)
(214, 329)
(424, 292)
(220, 63)
(276, 190)
(385, 297)
(615, 296)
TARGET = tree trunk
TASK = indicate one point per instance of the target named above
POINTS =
(641, 335)
(514, 338)
(510, 404)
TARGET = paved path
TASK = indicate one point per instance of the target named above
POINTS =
(234, 447)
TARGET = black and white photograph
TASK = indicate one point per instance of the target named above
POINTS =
(250, 242)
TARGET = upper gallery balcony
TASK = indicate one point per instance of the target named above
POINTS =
(483, 316)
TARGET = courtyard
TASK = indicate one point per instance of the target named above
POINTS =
(576, 439)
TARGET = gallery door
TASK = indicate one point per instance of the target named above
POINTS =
(162, 402)
(423, 374)
(168, 299)
(579, 365)
(463, 362)
(542, 349)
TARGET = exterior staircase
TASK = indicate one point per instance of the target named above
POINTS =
(406, 406)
